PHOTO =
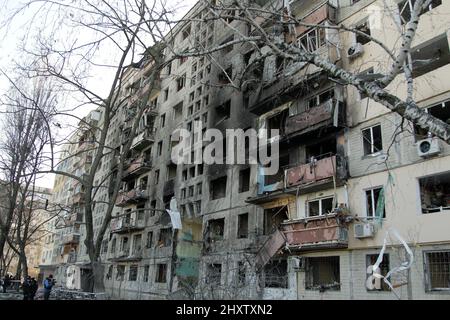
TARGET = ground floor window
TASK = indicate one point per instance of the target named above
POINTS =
(437, 270)
(276, 274)
(322, 273)
(376, 284)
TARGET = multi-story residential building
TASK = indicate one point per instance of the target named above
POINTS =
(347, 175)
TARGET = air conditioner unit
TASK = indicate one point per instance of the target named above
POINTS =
(428, 147)
(355, 50)
(363, 230)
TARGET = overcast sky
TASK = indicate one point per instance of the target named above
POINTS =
(17, 33)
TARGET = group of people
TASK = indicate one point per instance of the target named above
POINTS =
(30, 286)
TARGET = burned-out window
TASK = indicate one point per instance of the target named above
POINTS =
(244, 180)
(133, 273)
(437, 270)
(161, 273)
(137, 244)
(320, 150)
(165, 237)
(273, 218)
(223, 112)
(242, 231)
(435, 193)
(320, 98)
(120, 273)
(372, 140)
(171, 171)
(319, 207)
(146, 272)
(186, 32)
(430, 56)
(109, 273)
(406, 7)
(377, 283)
(216, 229)
(279, 176)
(213, 273)
(322, 273)
(275, 274)
(149, 243)
(375, 203)
(277, 122)
(178, 112)
(241, 274)
(218, 188)
(313, 39)
(363, 27)
(440, 111)
(156, 176)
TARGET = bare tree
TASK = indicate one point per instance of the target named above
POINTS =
(27, 104)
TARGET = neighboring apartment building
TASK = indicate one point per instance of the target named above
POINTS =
(343, 168)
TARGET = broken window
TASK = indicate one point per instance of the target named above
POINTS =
(440, 111)
(143, 183)
(199, 188)
(216, 229)
(171, 171)
(149, 239)
(435, 193)
(437, 270)
(192, 172)
(133, 273)
(160, 145)
(279, 176)
(200, 169)
(178, 112)
(244, 180)
(277, 122)
(120, 273)
(241, 274)
(156, 176)
(273, 218)
(191, 191)
(163, 120)
(137, 244)
(146, 272)
(372, 140)
(320, 150)
(226, 75)
(363, 27)
(166, 94)
(406, 7)
(152, 206)
(322, 273)
(276, 274)
(313, 39)
(214, 274)
(242, 231)
(165, 237)
(321, 98)
(379, 284)
(218, 188)
(109, 273)
(375, 203)
(430, 56)
(161, 273)
(319, 207)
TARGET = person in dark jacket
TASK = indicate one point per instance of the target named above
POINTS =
(33, 288)
(6, 282)
(49, 282)
(26, 288)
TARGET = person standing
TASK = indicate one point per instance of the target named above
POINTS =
(33, 288)
(26, 288)
(49, 282)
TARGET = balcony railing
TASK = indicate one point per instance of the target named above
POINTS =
(72, 238)
(144, 139)
(310, 173)
(328, 113)
(316, 233)
(136, 167)
(126, 225)
(133, 196)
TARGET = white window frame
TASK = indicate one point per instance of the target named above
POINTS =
(372, 189)
(320, 205)
(308, 35)
(372, 145)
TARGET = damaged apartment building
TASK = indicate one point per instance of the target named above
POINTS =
(347, 176)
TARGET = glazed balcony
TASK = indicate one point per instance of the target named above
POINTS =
(126, 225)
(331, 113)
(144, 139)
(134, 196)
(136, 167)
(316, 233)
